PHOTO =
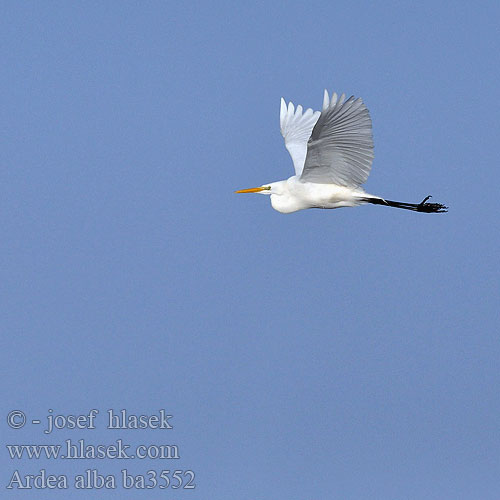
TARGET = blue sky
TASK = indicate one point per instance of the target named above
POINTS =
(345, 354)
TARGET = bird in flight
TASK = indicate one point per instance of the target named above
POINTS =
(332, 152)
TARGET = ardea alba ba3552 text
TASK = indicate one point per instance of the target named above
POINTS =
(332, 152)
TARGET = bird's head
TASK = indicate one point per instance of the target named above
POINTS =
(282, 199)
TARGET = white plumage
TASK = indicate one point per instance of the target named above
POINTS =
(332, 153)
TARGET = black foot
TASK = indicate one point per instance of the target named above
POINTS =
(431, 207)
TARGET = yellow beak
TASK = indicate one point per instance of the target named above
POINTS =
(254, 190)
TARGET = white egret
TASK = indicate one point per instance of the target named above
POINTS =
(332, 152)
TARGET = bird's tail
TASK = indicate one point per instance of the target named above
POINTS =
(423, 206)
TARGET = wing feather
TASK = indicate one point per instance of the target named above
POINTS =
(296, 127)
(340, 149)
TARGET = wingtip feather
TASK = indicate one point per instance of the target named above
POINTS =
(326, 100)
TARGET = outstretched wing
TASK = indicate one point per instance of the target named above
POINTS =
(296, 128)
(340, 149)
